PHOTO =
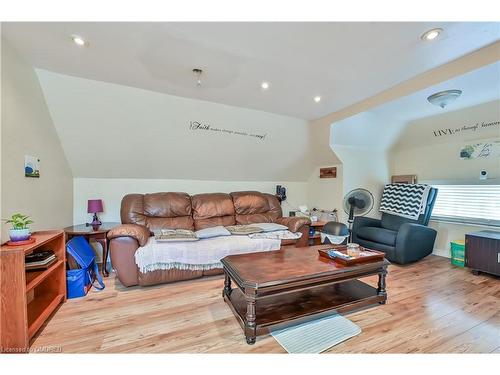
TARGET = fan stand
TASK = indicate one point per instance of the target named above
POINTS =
(350, 221)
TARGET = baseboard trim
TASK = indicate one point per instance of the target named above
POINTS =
(445, 253)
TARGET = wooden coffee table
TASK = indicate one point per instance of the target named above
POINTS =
(278, 288)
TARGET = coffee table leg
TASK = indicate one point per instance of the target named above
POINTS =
(381, 285)
(227, 285)
(250, 326)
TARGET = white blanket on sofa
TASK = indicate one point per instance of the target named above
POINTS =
(199, 255)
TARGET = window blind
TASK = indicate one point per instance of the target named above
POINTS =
(475, 204)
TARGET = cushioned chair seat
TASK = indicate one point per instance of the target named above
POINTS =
(379, 235)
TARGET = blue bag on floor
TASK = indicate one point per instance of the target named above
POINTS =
(79, 281)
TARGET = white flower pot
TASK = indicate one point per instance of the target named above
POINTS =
(19, 234)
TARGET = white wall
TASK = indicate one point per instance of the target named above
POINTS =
(115, 131)
(325, 193)
(437, 158)
(364, 168)
(112, 191)
(27, 129)
(361, 143)
(432, 158)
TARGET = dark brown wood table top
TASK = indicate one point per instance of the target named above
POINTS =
(491, 234)
(83, 229)
(290, 265)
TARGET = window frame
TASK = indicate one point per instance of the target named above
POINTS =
(464, 220)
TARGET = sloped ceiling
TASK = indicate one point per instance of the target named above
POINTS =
(344, 62)
(386, 126)
(114, 131)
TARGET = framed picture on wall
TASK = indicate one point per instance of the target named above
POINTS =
(31, 166)
(404, 179)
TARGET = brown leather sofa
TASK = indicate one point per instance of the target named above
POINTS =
(143, 213)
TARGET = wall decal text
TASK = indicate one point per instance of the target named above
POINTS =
(198, 126)
(465, 128)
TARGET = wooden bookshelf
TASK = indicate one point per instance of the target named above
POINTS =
(29, 297)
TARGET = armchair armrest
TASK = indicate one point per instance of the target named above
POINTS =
(294, 224)
(139, 232)
(414, 242)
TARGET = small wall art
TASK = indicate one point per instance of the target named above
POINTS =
(404, 179)
(329, 172)
(31, 166)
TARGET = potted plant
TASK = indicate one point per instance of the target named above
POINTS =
(20, 230)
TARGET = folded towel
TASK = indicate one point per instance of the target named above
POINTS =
(278, 234)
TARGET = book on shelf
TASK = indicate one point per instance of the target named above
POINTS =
(39, 260)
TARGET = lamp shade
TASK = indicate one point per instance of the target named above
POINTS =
(94, 205)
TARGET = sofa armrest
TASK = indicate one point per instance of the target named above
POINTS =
(414, 242)
(138, 232)
(294, 223)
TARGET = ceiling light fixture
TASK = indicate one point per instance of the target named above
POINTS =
(431, 34)
(264, 85)
(197, 72)
(79, 41)
(443, 98)
(317, 99)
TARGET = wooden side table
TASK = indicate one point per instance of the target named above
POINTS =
(316, 238)
(482, 252)
(98, 234)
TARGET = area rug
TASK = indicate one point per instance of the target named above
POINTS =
(316, 336)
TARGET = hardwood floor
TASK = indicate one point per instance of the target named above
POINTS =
(432, 308)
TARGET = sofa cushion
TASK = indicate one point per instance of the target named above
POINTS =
(275, 211)
(212, 209)
(250, 202)
(167, 204)
(211, 232)
(254, 207)
(378, 235)
(270, 227)
(175, 235)
(243, 230)
(158, 210)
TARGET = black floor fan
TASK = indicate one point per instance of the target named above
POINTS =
(357, 202)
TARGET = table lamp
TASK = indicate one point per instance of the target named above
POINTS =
(93, 207)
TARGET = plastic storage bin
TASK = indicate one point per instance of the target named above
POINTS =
(458, 253)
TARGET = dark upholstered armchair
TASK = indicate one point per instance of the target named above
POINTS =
(402, 240)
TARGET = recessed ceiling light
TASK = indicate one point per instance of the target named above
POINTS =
(431, 34)
(317, 99)
(78, 40)
(264, 85)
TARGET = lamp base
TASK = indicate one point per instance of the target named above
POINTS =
(95, 221)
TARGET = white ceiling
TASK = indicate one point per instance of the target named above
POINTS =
(479, 86)
(389, 124)
(343, 62)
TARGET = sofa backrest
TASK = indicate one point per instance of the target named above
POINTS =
(181, 211)
(212, 209)
(255, 207)
(393, 222)
(158, 210)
